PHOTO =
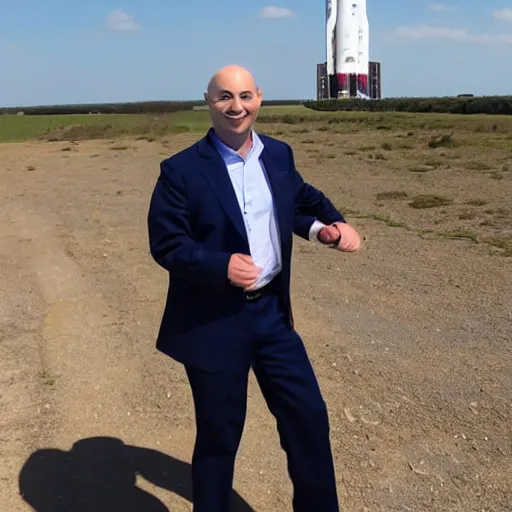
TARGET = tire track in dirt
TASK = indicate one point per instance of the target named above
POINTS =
(75, 332)
(24, 407)
(76, 371)
(91, 380)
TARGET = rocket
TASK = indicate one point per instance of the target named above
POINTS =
(347, 39)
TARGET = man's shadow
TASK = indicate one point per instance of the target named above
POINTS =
(99, 475)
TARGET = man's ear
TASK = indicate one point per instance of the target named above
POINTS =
(259, 93)
(206, 98)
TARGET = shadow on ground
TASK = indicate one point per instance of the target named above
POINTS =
(99, 475)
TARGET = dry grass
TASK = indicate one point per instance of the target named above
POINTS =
(426, 173)
(441, 177)
(429, 201)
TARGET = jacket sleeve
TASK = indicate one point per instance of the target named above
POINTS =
(171, 239)
(302, 225)
(310, 204)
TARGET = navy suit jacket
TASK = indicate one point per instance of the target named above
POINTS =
(195, 225)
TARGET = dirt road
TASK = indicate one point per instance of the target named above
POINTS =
(411, 340)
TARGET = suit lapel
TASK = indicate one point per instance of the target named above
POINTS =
(217, 176)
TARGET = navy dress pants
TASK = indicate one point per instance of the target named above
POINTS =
(289, 386)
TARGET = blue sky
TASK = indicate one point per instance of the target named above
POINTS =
(58, 51)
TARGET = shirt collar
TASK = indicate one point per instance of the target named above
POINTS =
(230, 156)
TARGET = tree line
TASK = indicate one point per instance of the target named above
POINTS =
(448, 105)
(141, 107)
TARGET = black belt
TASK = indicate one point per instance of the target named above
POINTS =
(268, 289)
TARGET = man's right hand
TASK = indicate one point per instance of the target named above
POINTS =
(242, 271)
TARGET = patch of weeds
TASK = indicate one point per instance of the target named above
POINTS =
(405, 146)
(350, 153)
(149, 138)
(395, 194)
(467, 216)
(323, 128)
(464, 235)
(289, 119)
(434, 163)
(491, 128)
(119, 148)
(478, 166)
(379, 156)
(330, 155)
(496, 176)
(502, 242)
(96, 155)
(476, 202)
(422, 168)
(66, 149)
(47, 378)
(429, 201)
(308, 141)
(346, 210)
(31, 168)
(438, 141)
(386, 146)
(502, 213)
(382, 218)
(79, 132)
(367, 148)
(301, 130)
(499, 213)
(180, 128)
(383, 127)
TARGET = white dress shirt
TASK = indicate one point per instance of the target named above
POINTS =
(252, 190)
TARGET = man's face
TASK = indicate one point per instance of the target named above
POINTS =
(234, 109)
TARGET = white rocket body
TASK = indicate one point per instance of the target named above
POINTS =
(347, 32)
(330, 26)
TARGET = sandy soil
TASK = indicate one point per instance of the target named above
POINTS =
(410, 338)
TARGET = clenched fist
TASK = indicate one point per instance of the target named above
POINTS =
(343, 235)
(242, 271)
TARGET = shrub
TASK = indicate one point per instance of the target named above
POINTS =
(448, 105)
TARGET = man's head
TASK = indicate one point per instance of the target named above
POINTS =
(234, 102)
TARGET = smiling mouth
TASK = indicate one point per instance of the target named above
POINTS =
(237, 117)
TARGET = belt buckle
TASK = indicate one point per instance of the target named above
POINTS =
(249, 296)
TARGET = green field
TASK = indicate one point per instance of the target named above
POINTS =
(21, 128)
(92, 126)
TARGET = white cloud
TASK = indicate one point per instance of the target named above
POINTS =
(441, 7)
(424, 32)
(273, 12)
(120, 21)
(503, 14)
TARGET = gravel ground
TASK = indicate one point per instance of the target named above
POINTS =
(410, 338)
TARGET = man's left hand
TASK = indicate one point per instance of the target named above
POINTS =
(349, 241)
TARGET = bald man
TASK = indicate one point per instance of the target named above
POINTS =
(221, 222)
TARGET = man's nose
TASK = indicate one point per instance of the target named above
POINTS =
(236, 105)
